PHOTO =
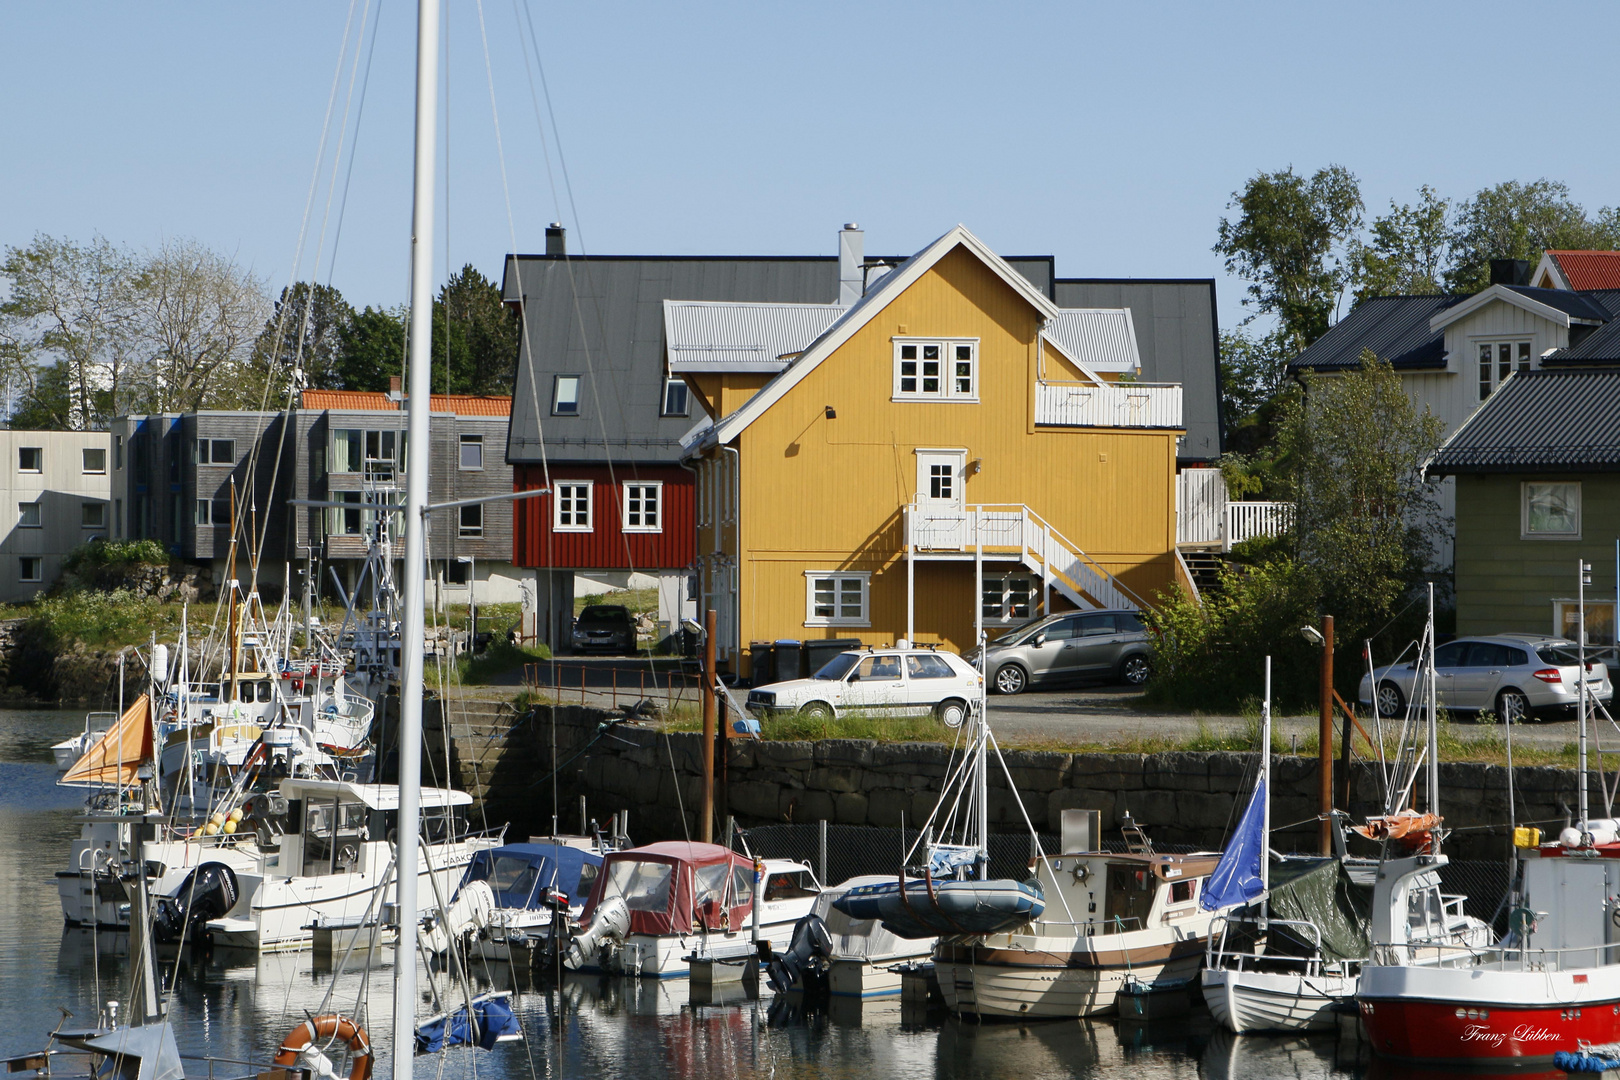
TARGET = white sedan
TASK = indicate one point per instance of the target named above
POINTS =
(879, 682)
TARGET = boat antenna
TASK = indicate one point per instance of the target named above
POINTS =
(419, 372)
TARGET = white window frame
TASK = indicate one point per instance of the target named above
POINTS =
(22, 515)
(39, 452)
(1522, 359)
(948, 389)
(461, 451)
(84, 458)
(102, 524)
(653, 489)
(686, 399)
(839, 578)
(462, 528)
(1005, 614)
(558, 499)
(1524, 511)
(39, 568)
(1566, 614)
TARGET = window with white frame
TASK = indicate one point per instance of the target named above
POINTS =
(30, 568)
(28, 515)
(30, 459)
(675, 397)
(572, 506)
(472, 452)
(95, 461)
(836, 598)
(1008, 597)
(1550, 511)
(93, 515)
(936, 370)
(472, 520)
(1497, 360)
(643, 508)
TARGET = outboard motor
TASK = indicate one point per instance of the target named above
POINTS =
(805, 957)
(611, 920)
(472, 909)
(208, 892)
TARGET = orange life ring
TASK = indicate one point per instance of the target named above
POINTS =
(331, 1025)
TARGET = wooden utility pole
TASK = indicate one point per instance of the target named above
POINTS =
(1325, 735)
(706, 811)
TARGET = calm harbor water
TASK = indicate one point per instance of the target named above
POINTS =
(240, 1005)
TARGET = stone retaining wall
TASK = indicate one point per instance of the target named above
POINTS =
(1180, 797)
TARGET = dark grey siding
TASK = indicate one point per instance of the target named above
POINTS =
(1178, 338)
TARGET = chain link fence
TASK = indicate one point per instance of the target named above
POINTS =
(839, 852)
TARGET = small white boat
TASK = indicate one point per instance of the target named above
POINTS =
(69, 751)
(508, 898)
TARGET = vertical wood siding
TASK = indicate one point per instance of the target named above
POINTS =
(607, 546)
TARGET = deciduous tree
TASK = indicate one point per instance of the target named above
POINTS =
(1408, 251)
(1520, 221)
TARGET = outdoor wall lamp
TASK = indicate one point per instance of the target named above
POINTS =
(832, 413)
(1311, 634)
(975, 466)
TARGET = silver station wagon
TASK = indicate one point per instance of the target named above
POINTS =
(1515, 676)
(1102, 645)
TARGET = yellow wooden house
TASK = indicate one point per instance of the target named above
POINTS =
(949, 451)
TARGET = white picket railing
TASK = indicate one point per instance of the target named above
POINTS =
(1012, 529)
(1246, 520)
(1115, 405)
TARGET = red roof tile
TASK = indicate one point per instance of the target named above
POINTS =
(371, 400)
(472, 405)
(1589, 269)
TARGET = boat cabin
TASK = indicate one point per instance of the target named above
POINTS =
(678, 887)
(1109, 893)
(338, 827)
(526, 876)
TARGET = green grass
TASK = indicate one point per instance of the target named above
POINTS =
(499, 659)
(104, 620)
(637, 600)
(796, 728)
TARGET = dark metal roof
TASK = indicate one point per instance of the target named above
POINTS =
(1177, 338)
(1592, 345)
(602, 318)
(1576, 305)
(1540, 421)
(1395, 328)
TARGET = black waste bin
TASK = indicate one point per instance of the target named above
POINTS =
(817, 653)
(789, 659)
(761, 663)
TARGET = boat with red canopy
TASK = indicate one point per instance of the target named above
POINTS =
(653, 906)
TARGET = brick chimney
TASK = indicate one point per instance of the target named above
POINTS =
(556, 239)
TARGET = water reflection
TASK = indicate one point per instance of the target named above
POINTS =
(240, 1005)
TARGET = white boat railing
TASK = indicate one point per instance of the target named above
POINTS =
(1498, 957)
(1217, 955)
(1112, 405)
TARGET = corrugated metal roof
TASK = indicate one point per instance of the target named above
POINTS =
(1395, 328)
(1574, 304)
(1589, 269)
(1100, 338)
(1540, 421)
(471, 405)
(369, 400)
(709, 335)
(1176, 337)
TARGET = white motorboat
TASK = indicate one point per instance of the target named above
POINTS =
(508, 897)
(654, 907)
(70, 750)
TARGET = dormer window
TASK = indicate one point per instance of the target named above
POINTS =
(1499, 359)
(927, 370)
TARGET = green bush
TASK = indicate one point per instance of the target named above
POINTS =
(94, 618)
(93, 556)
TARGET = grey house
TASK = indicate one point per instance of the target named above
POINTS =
(1537, 471)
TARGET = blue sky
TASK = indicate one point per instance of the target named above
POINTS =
(1110, 136)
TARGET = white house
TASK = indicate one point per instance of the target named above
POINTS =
(55, 489)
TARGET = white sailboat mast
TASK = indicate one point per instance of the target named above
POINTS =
(1265, 781)
(417, 410)
(1434, 730)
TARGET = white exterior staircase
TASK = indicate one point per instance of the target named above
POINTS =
(1012, 531)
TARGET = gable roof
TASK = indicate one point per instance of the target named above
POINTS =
(863, 311)
(1177, 341)
(706, 335)
(1396, 328)
(1592, 345)
(377, 401)
(1539, 421)
(601, 318)
(1579, 270)
(1554, 305)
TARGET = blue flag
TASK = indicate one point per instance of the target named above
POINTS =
(1236, 879)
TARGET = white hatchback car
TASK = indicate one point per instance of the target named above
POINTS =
(881, 682)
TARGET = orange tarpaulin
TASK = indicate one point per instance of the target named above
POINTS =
(1407, 827)
(113, 759)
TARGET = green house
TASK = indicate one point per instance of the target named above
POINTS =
(1537, 470)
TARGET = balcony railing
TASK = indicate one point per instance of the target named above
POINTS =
(1114, 405)
(1246, 520)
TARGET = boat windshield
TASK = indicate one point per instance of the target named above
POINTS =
(644, 885)
(838, 666)
(515, 877)
(710, 883)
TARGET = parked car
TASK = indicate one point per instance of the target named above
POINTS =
(883, 682)
(1516, 676)
(1108, 645)
(606, 628)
